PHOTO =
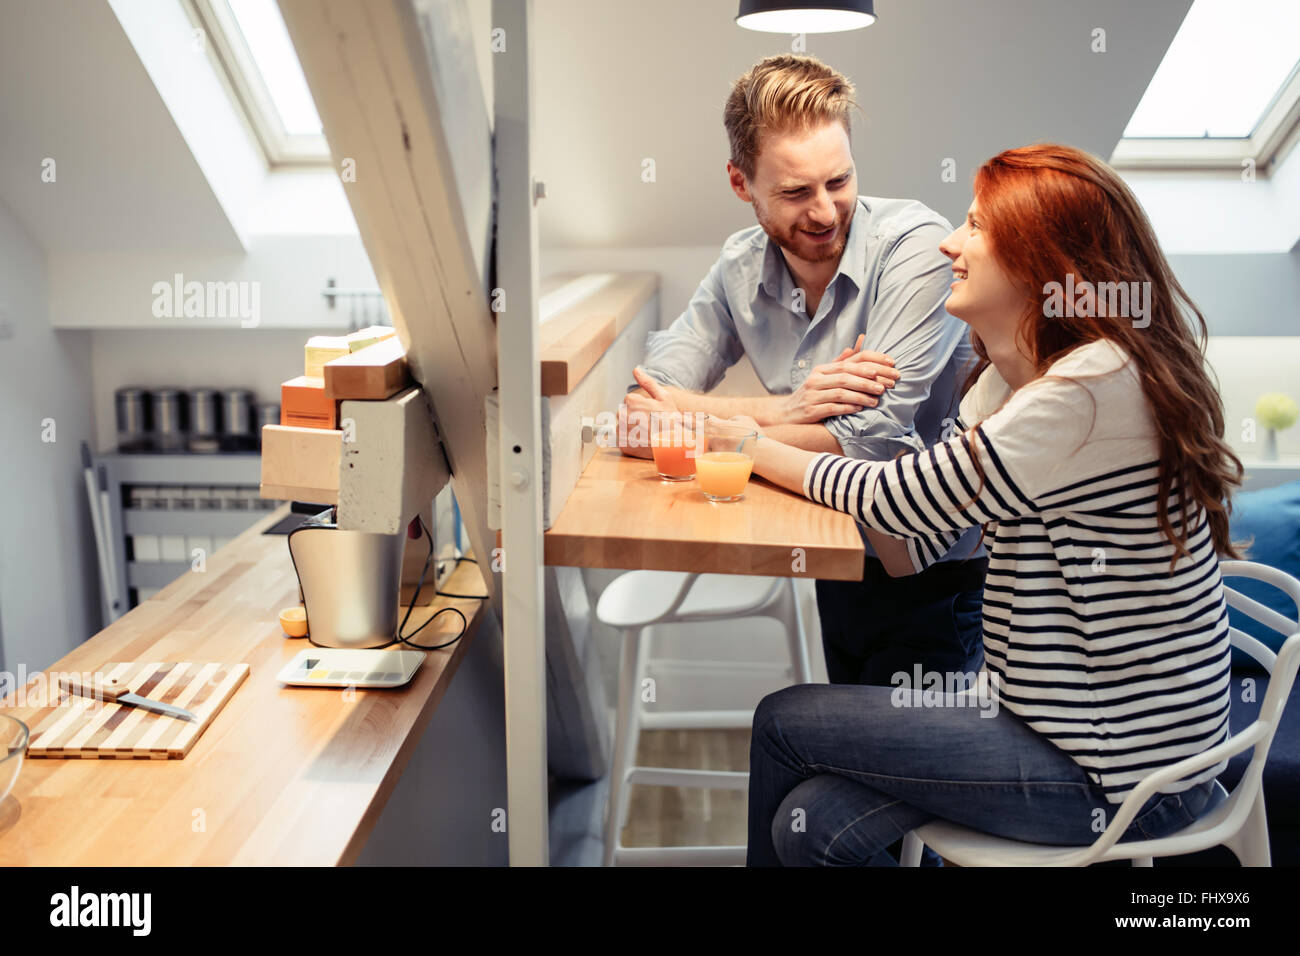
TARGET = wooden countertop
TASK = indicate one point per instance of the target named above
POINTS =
(282, 776)
(574, 337)
(622, 515)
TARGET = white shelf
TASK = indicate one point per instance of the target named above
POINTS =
(198, 522)
(1269, 474)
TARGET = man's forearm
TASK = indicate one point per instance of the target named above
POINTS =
(812, 437)
(759, 408)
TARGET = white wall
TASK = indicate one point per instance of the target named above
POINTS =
(49, 596)
(1247, 367)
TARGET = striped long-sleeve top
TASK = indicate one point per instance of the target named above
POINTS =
(1088, 637)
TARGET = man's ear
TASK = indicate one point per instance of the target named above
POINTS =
(738, 184)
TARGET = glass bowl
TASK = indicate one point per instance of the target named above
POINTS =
(13, 747)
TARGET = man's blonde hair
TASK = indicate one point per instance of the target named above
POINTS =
(784, 93)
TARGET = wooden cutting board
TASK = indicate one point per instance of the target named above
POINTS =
(84, 727)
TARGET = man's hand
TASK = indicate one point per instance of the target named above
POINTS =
(655, 399)
(655, 411)
(854, 381)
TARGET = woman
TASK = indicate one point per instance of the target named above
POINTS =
(1090, 447)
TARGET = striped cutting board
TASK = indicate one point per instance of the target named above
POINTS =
(84, 727)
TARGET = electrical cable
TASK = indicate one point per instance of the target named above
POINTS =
(401, 638)
(469, 597)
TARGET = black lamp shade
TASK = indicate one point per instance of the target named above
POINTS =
(805, 16)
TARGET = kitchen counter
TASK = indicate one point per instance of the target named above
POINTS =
(282, 776)
(622, 515)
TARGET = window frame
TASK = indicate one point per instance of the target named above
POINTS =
(1274, 136)
(249, 92)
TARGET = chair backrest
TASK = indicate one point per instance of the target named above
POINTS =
(1281, 666)
(1228, 818)
(1231, 815)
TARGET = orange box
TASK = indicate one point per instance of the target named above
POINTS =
(304, 404)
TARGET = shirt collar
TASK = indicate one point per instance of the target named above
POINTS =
(852, 260)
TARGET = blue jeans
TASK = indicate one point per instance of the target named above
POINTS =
(837, 773)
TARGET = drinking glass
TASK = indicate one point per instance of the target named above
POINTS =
(673, 443)
(13, 747)
(723, 468)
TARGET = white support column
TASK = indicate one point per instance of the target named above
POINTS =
(518, 376)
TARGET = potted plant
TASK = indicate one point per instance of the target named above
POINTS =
(1275, 412)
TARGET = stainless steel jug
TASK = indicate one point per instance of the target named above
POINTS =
(349, 582)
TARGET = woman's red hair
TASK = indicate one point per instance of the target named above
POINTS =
(1051, 211)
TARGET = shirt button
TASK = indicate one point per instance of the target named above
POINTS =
(803, 363)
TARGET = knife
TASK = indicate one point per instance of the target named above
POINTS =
(121, 694)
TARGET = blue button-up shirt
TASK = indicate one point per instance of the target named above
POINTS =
(891, 285)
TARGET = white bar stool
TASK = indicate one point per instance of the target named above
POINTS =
(636, 601)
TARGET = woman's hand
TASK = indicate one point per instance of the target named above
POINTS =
(743, 421)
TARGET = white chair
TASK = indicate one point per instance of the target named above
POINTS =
(1238, 822)
(634, 603)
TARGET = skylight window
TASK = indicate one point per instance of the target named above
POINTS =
(253, 45)
(268, 41)
(1225, 91)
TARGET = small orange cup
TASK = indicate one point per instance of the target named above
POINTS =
(294, 621)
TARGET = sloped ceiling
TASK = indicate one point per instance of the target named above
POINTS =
(616, 82)
(73, 89)
(623, 80)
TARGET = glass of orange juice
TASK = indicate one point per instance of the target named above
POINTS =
(726, 460)
(673, 444)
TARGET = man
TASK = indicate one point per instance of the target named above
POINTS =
(837, 299)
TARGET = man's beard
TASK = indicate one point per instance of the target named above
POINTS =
(797, 243)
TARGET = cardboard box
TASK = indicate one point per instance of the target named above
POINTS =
(304, 404)
(373, 373)
(321, 349)
(301, 464)
(363, 338)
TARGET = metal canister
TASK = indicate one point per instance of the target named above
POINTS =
(168, 419)
(132, 403)
(204, 420)
(237, 430)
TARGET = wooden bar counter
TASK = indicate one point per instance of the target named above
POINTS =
(622, 515)
(283, 775)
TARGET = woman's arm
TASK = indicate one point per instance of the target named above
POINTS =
(782, 464)
(786, 466)
(1036, 441)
